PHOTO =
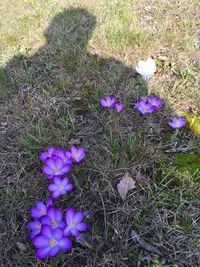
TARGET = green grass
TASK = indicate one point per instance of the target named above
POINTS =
(57, 58)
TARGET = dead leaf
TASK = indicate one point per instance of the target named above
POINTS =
(142, 179)
(144, 244)
(126, 184)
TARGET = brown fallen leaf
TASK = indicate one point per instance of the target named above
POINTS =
(126, 184)
(142, 179)
(147, 246)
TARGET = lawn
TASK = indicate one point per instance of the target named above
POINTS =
(57, 58)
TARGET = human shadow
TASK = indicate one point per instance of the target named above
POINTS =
(63, 63)
(61, 78)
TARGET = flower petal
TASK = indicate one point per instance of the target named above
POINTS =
(67, 231)
(50, 163)
(75, 232)
(43, 253)
(57, 233)
(48, 170)
(56, 194)
(69, 187)
(54, 251)
(65, 244)
(52, 187)
(82, 227)
(172, 124)
(45, 220)
(69, 215)
(79, 216)
(41, 241)
(33, 234)
(103, 103)
(33, 225)
(65, 169)
(46, 231)
(49, 202)
(65, 181)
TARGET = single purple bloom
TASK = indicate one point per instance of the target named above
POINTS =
(144, 107)
(35, 227)
(155, 101)
(119, 107)
(47, 154)
(53, 218)
(60, 187)
(50, 242)
(177, 122)
(108, 102)
(55, 167)
(78, 154)
(39, 210)
(74, 223)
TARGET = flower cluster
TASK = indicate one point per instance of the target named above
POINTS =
(110, 102)
(144, 105)
(150, 105)
(50, 230)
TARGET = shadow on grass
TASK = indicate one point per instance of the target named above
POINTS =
(52, 98)
(64, 64)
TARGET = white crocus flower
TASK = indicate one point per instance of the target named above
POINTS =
(146, 68)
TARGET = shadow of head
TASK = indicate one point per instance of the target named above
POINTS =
(71, 27)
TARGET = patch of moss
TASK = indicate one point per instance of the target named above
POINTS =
(188, 162)
(80, 107)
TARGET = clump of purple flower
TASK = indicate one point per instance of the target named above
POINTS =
(50, 230)
(149, 105)
(110, 102)
(145, 106)
(58, 162)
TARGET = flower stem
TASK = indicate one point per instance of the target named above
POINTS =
(148, 87)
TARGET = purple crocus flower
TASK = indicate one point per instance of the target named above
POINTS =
(60, 187)
(74, 222)
(53, 218)
(77, 154)
(50, 242)
(47, 154)
(155, 101)
(35, 227)
(39, 210)
(119, 107)
(55, 167)
(177, 122)
(144, 107)
(108, 102)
